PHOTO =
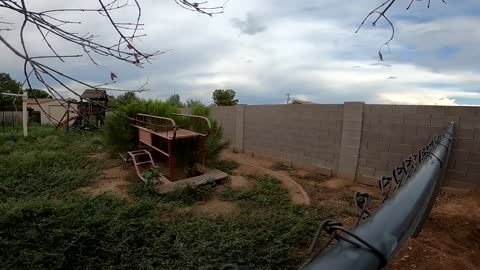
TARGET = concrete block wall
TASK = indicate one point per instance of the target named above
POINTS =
(391, 133)
(226, 117)
(351, 140)
(307, 135)
(356, 141)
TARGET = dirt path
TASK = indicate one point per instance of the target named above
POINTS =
(259, 166)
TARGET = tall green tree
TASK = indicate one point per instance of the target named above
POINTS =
(37, 93)
(128, 97)
(8, 85)
(224, 97)
(193, 102)
(175, 101)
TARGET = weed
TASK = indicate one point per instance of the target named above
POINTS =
(226, 166)
(47, 161)
(267, 192)
(151, 178)
(188, 195)
(348, 197)
(51, 226)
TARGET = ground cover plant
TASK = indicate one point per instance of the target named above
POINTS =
(46, 223)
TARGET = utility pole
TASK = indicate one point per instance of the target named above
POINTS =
(288, 97)
(24, 110)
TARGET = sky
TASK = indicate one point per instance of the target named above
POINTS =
(266, 49)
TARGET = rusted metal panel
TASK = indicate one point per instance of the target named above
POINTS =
(145, 137)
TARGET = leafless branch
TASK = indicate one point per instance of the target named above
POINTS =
(202, 7)
(50, 25)
(382, 14)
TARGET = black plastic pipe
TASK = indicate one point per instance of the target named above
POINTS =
(400, 217)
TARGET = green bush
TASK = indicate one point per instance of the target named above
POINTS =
(215, 143)
(118, 132)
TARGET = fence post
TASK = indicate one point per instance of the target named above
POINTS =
(25, 114)
(239, 127)
(351, 138)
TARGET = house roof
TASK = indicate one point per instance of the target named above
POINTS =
(298, 101)
(43, 100)
(95, 94)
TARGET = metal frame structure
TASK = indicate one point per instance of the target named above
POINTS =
(133, 155)
(164, 128)
(376, 241)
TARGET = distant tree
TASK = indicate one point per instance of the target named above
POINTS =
(37, 93)
(175, 100)
(224, 97)
(193, 102)
(126, 98)
(8, 85)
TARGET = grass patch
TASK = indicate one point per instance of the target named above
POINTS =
(226, 166)
(51, 226)
(180, 197)
(47, 161)
(187, 196)
(267, 192)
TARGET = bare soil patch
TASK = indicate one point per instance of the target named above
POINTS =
(240, 182)
(251, 165)
(450, 238)
(216, 208)
(113, 180)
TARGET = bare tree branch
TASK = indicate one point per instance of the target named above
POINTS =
(50, 25)
(382, 14)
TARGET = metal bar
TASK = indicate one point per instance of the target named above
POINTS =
(202, 149)
(135, 163)
(68, 116)
(397, 219)
(171, 161)
(198, 117)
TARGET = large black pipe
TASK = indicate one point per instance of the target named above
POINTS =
(398, 218)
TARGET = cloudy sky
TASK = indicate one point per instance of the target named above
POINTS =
(265, 49)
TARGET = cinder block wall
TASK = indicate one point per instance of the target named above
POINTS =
(355, 141)
(306, 135)
(391, 133)
(226, 117)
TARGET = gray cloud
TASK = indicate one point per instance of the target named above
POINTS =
(308, 49)
(252, 25)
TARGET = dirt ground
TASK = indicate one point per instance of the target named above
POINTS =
(113, 180)
(249, 165)
(450, 238)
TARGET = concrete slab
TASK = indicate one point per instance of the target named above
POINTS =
(210, 176)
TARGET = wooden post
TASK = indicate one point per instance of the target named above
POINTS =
(25, 114)
(68, 115)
